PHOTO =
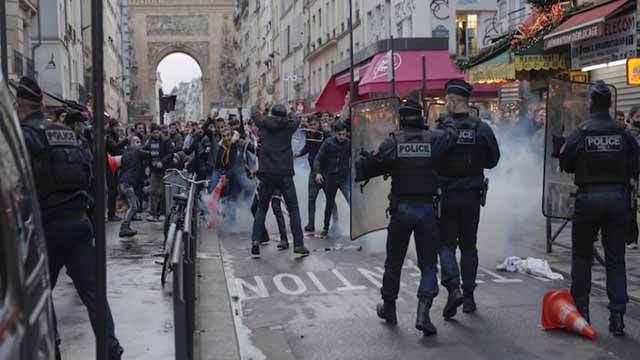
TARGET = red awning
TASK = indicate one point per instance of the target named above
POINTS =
(408, 73)
(345, 77)
(332, 97)
(582, 26)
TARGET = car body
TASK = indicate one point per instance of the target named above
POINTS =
(27, 330)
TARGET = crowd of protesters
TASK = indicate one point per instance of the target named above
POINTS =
(217, 148)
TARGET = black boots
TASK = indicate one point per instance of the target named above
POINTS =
(454, 300)
(423, 321)
(255, 248)
(387, 311)
(616, 324)
(469, 304)
(309, 228)
(127, 231)
(584, 311)
(283, 245)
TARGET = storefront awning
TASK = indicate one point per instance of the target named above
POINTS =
(497, 70)
(582, 26)
(408, 73)
(345, 77)
(332, 97)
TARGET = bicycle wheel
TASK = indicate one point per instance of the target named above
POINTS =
(170, 232)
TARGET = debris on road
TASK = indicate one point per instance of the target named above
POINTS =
(529, 266)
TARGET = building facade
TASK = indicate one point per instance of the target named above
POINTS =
(58, 54)
(22, 29)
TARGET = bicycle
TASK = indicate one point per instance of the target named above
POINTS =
(178, 219)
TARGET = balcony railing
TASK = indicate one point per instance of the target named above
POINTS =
(17, 63)
(31, 69)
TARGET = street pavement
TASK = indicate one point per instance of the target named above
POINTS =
(322, 307)
(142, 310)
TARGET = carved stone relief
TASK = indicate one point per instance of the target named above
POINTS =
(198, 49)
(177, 25)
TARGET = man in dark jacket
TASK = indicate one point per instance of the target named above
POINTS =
(334, 161)
(114, 146)
(161, 149)
(175, 136)
(275, 171)
(314, 139)
(131, 177)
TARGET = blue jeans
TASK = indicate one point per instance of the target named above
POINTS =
(459, 228)
(419, 219)
(268, 185)
(608, 212)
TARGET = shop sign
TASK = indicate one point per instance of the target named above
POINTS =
(491, 73)
(618, 42)
(573, 36)
(633, 71)
(541, 62)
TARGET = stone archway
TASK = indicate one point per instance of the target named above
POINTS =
(159, 28)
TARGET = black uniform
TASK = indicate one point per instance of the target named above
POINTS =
(409, 156)
(604, 157)
(461, 177)
(462, 180)
(62, 173)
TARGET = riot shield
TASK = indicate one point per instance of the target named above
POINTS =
(372, 122)
(437, 108)
(567, 106)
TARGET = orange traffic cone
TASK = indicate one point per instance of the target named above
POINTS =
(212, 203)
(559, 311)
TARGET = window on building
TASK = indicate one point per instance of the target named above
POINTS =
(467, 34)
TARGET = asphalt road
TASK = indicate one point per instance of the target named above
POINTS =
(322, 307)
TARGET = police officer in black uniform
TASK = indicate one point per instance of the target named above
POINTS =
(603, 155)
(464, 188)
(62, 170)
(409, 156)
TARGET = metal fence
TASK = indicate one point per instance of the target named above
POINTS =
(184, 278)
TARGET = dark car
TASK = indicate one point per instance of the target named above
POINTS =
(26, 308)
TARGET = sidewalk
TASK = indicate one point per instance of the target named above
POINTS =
(142, 310)
(215, 336)
(560, 258)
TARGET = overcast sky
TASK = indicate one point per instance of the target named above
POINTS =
(176, 68)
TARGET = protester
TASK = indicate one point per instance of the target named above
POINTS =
(161, 149)
(332, 166)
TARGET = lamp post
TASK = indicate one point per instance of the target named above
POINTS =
(97, 52)
(3, 39)
(352, 84)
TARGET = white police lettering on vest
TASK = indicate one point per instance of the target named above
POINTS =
(412, 150)
(604, 143)
(61, 138)
(466, 136)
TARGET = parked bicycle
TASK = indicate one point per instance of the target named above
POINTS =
(177, 221)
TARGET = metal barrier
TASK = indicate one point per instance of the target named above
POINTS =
(184, 278)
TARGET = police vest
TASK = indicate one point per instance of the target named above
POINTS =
(413, 171)
(603, 159)
(468, 157)
(62, 168)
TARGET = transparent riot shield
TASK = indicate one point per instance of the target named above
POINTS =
(372, 122)
(567, 106)
(437, 109)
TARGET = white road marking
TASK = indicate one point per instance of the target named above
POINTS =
(300, 289)
(347, 285)
(316, 282)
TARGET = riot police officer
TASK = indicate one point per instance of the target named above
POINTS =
(603, 155)
(409, 156)
(62, 171)
(464, 187)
